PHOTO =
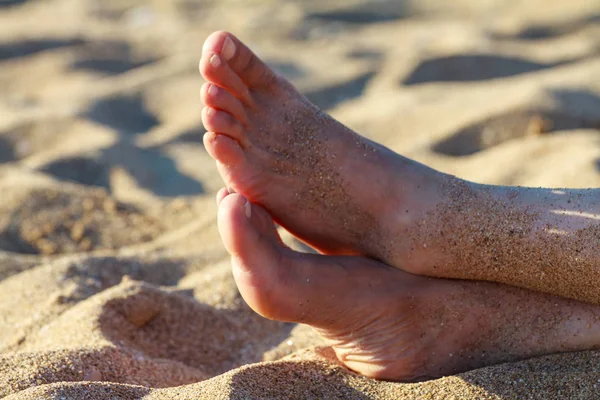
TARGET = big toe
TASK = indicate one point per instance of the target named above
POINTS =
(251, 239)
(285, 285)
(239, 59)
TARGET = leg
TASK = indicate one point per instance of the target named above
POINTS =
(541, 239)
(344, 194)
(388, 324)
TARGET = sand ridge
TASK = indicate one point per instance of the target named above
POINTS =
(113, 279)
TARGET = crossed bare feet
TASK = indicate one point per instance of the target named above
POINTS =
(347, 196)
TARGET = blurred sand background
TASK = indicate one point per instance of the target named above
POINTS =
(113, 280)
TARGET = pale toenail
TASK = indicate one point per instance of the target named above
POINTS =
(210, 111)
(228, 49)
(212, 90)
(248, 209)
(215, 61)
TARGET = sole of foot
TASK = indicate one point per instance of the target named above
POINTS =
(388, 324)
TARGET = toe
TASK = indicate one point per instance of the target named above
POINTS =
(258, 261)
(215, 70)
(240, 58)
(223, 149)
(247, 230)
(221, 194)
(219, 98)
(222, 122)
(282, 284)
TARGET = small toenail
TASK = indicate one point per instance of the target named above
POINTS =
(228, 49)
(248, 209)
(212, 90)
(215, 61)
(210, 111)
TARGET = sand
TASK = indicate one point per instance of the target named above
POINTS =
(113, 279)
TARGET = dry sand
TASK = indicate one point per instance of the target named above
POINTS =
(113, 280)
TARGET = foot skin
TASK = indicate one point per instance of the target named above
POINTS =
(343, 194)
(388, 324)
(330, 187)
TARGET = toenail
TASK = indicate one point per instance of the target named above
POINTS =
(228, 49)
(212, 90)
(248, 209)
(210, 111)
(215, 61)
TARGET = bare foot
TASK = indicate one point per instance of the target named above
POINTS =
(388, 324)
(332, 188)
(344, 194)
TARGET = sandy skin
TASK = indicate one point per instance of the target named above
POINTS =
(343, 194)
(347, 196)
(389, 324)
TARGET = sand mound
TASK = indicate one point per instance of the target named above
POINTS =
(50, 222)
(113, 280)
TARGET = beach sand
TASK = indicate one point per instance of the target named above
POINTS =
(113, 280)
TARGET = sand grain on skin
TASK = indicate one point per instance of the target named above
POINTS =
(503, 239)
